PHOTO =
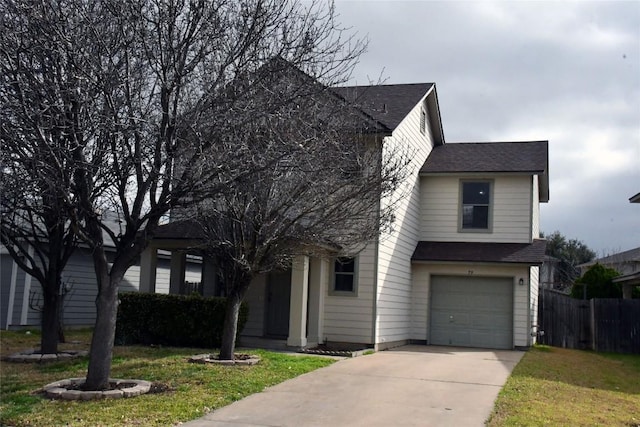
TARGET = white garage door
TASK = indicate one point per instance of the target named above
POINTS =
(472, 311)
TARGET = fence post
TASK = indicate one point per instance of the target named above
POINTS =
(592, 320)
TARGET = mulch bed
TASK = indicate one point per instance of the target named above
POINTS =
(328, 350)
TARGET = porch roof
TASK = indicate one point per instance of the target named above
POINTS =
(512, 253)
(179, 230)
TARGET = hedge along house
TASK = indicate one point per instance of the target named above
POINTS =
(460, 266)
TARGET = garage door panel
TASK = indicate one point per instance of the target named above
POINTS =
(471, 311)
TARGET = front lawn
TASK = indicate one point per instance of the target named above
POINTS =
(556, 386)
(193, 389)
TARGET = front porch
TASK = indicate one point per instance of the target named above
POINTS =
(286, 308)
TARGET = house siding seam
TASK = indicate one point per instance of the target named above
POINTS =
(511, 210)
(394, 292)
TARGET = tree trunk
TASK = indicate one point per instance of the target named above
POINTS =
(238, 283)
(228, 345)
(50, 315)
(104, 333)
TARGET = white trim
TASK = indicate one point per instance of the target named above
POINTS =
(27, 290)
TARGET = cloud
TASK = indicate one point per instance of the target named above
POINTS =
(567, 72)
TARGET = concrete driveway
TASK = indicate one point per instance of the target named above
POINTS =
(406, 386)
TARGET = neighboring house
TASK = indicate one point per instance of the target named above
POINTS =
(21, 295)
(626, 263)
(460, 266)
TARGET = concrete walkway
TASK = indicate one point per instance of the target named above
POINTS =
(407, 386)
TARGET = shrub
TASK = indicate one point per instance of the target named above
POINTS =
(599, 282)
(176, 320)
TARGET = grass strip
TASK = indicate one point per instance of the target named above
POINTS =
(191, 390)
(556, 386)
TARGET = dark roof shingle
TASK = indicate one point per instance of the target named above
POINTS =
(488, 157)
(512, 253)
(388, 104)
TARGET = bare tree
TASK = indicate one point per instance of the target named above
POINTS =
(321, 196)
(150, 90)
(37, 123)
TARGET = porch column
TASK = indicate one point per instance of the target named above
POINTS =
(178, 264)
(298, 305)
(148, 266)
(318, 283)
(209, 276)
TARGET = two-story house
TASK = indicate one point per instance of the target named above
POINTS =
(460, 266)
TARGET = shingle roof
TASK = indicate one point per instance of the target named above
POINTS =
(512, 253)
(632, 255)
(388, 104)
(492, 157)
(488, 157)
(187, 229)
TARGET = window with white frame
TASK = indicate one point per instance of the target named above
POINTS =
(475, 209)
(423, 120)
(344, 276)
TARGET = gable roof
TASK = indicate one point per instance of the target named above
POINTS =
(492, 157)
(387, 104)
(512, 253)
(635, 198)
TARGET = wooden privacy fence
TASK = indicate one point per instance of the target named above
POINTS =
(601, 324)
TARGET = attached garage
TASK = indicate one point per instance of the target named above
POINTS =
(471, 311)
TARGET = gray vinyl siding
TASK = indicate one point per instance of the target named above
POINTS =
(19, 297)
(256, 300)
(6, 265)
(394, 292)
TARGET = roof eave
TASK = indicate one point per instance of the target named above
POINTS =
(435, 119)
(462, 262)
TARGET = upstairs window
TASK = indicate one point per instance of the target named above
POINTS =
(344, 276)
(476, 205)
(423, 120)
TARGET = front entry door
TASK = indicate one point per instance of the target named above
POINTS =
(278, 300)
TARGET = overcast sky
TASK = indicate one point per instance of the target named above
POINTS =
(564, 72)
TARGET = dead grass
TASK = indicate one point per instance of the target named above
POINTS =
(188, 390)
(555, 386)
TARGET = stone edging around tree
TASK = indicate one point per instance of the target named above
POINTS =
(69, 389)
(33, 356)
(240, 359)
